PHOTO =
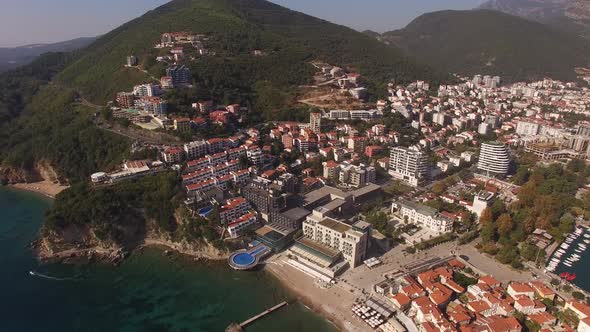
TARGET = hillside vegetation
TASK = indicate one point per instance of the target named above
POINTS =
(490, 42)
(39, 121)
(235, 28)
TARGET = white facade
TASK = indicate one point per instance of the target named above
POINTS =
(337, 235)
(315, 122)
(481, 201)
(525, 128)
(422, 215)
(410, 166)
(239, 226)
(196, 149)
(494, 158)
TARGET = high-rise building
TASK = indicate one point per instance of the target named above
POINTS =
(126, 99)
(315, 122)
(408, 165)
(179, 74)
(494, 159)
(144, 90)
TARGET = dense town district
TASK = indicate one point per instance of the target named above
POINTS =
(456, 208)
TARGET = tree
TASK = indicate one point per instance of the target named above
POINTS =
(488, 232)
(529, 224)
(505, 225)
(438, 188)
(486, 217)
(578, 296)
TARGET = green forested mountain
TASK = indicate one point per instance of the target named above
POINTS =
(44, 121)
(40, 121)
(490, 42)
(235, 28)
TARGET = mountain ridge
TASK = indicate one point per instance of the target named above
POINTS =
(236, 27)
(490, 42)
(568, 15)
(13, 57)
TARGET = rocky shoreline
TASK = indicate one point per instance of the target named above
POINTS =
(115, 255)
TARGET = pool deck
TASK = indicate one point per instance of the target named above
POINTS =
(258, 253)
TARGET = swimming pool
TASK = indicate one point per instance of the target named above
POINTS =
(247, 259)
(243, 259)
(204, 212)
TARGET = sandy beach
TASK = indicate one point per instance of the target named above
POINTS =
(45, 188)
(333, 303)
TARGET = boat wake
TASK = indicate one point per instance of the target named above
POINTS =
(36, 274)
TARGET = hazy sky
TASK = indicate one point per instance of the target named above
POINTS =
(36, 21)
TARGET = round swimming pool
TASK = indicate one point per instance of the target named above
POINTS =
(243, 259)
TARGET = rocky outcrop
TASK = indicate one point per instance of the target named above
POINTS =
(42, 171)
(12, 175)
(82, 242)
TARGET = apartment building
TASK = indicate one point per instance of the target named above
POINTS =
(409, 165)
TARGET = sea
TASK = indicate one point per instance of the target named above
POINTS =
(581, 267)
(147, 292)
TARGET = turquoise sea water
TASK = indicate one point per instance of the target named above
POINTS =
(148, 292)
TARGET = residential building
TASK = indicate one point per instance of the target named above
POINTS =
(408, 165)
(357, 144)
(173, 155)
(582, 310)
(240, 226)
(494, 159)
(481, 201)
(233, 209)
(196, 149)
(315, 122)
(144, 90)
(528, 128)
(182, 124)
(167, 82)
(126, 99)
(180, 74)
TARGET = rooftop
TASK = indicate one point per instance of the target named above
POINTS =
(335, 225)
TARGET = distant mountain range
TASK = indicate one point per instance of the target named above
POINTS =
(491, 42)
(569, 15)
(13, 57)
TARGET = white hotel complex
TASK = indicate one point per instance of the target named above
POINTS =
(328, 246)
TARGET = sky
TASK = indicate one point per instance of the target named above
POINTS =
(25, 22)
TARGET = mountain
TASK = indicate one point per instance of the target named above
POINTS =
(13, 57)
(490, 42)
(568, 15)
(234, 28)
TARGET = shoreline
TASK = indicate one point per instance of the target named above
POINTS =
(45, 188)
(332, 304)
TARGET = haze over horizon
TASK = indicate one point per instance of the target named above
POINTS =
(38, 21)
